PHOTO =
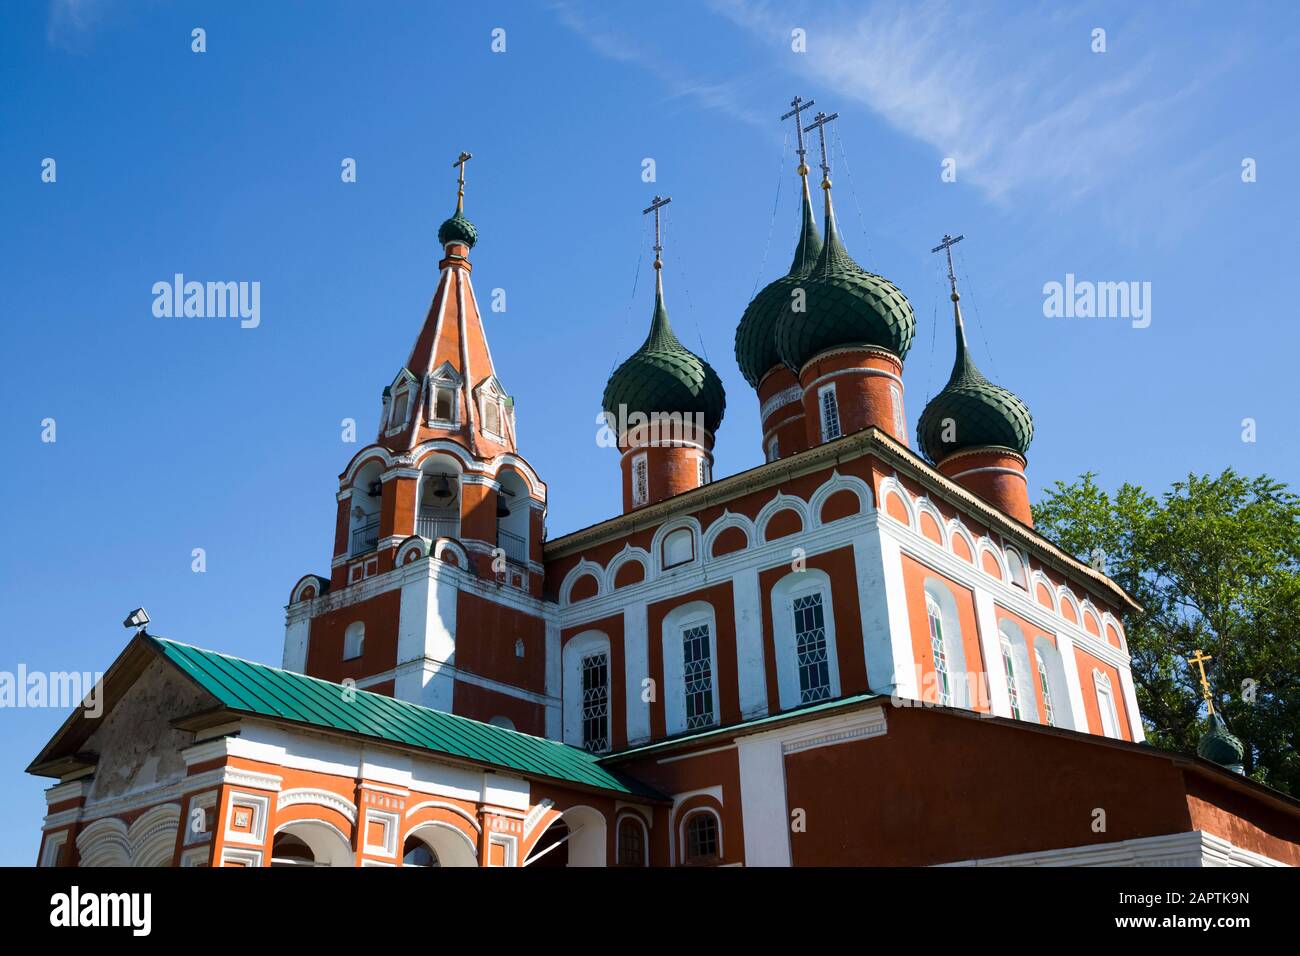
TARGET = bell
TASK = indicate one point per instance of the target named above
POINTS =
(441, 489)
(503, 509)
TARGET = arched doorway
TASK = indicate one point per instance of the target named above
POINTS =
(578, 838)
(442, 842)
(310, 843)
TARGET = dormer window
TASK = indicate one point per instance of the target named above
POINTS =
(401, 404)
(444, 403)
(491, 415)
(443, 407)
(494, 409)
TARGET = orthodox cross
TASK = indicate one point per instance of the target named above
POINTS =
(819, 123)
(946, 246)
(654, 207)
(799, 106)
(1199, 660)
(459, 165)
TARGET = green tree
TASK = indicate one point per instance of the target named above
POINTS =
(1215, 564)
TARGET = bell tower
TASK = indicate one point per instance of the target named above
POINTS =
(435, 583)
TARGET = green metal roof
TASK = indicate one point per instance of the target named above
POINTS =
(981, 413)
(844, 305)
(1220, 746)
(263, 691)
(755, 346)
(458, 229)
(663, 376)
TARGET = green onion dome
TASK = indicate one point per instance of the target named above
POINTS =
(755, 345)
(664, 376)
(458, 229)
(844, 305)
(1218, 745)
(971, 411)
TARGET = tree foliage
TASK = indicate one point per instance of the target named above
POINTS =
(1215, 563)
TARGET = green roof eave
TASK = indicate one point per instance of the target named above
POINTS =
(259, 690)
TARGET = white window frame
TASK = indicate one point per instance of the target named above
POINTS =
(640, 477)
(683, 533)
(1010, 670)
(938, 650)
(354, 641)
(833, 407)
(1045, 686)
(773, 449)
(675, 625)
(446, 377)
(1015, 563)
(785, 592)
(576, 649)
(959, 679)
(597, 744)
(896, 397)
(1106, 709)
(703, 471)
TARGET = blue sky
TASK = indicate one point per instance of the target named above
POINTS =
(175, 434)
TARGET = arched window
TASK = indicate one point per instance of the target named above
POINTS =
(640, 480)
(804, 623)
(953, 685)
(588, 690)
(1009, 667)
(697, 664)
(1045, 685)
(1106, 705)
(678, 547)
(1021, 670)
(415, 852)
(943, 686)
(354, 640)
(690, 667)
(595, 702)
(830, 412)
(1016, 569)
(701, 837)
(631, 842)
(810, 648)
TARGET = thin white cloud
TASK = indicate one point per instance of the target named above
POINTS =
(722, 96)
(1002, 102)
(70, 21)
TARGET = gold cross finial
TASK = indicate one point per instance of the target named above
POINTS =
(1199, 659)
(460, 183)
(946, 246)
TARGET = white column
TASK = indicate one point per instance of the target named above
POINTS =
(986, 619)
(882, 597)
(752, 675)
(1131, 704)
(1065, 646)
(554, 679)
(636, 668)
(762, 801)
(296, 635)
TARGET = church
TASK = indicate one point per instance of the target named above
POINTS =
(858, 653)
